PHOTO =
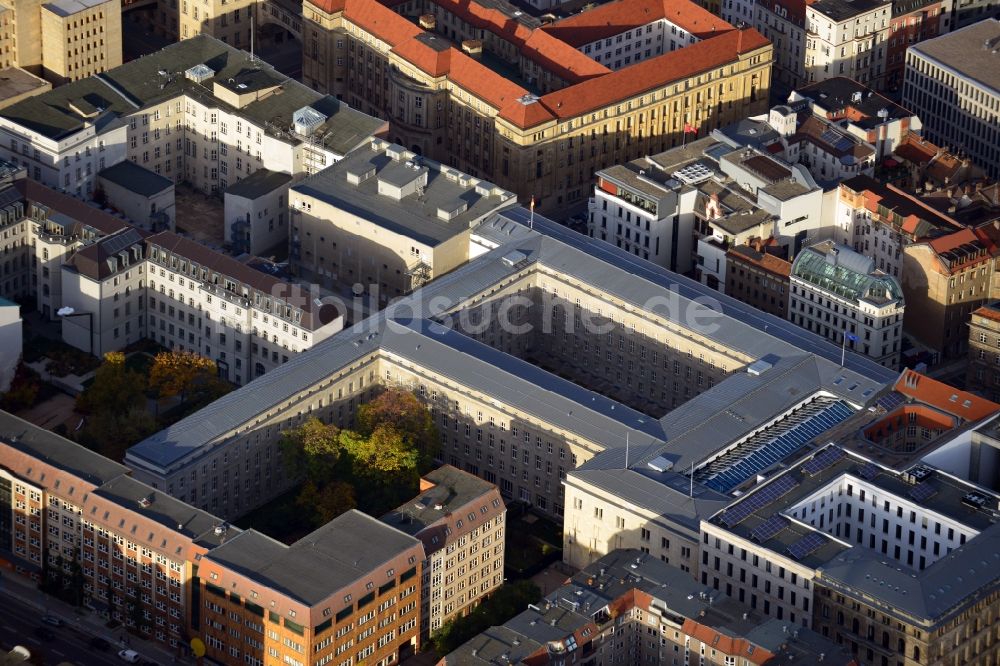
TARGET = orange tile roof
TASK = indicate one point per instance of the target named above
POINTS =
(988, 312)
(616, 17)
(645, 76)
(951, 241)
(379, 20)
(915, 149)
(728, 645)
(483, 82)
(944, 397)
(429, 60)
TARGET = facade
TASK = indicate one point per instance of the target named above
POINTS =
(848, 38)
(65, 504)
(175, 115)
(783, 22)
(256, 209)
(759, 277)
(827, 543)
(952, 83)
(186, 296)
(80, 38)
(387, 219)
(497, 95)
(11, 341)
(350, 590)
(953, 276)
(913, 21)
(968, 12)
(983, 375)
(682, 209)
(461, 521)
(629, 607)
(62, 40)
(144, 197)
(841, 295)
(450, 344)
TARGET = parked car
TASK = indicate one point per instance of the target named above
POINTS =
(130, 656)
(52, 620)
(44, 633)
(99, 643)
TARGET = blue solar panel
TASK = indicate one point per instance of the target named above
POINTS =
(762, 452)
(822, 460)
(773, 491)
(769, 528)
(806, 545)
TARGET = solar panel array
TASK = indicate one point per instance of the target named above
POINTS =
(806, 545)
(869, 471)
(773, 491)
(891, 401)
(768, 446)
(769, 528)
(923, 491)
(822, 460)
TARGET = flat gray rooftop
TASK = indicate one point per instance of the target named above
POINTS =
(136, 178)
(66, 8)
(927, 594)
(452, 490)
(259, 183)
(415, 215)
(735, 326)
(973, 51)
(348, 548)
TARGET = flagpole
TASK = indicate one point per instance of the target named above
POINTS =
(843, 349)
(626, 450)
(531, 221)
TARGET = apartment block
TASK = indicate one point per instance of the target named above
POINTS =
(951, 82)
(62, 40)
(950, 277)
(134, 545)
(536, 109)
(841, 295)
(893, 565)
(783, 22)
(387, 219)
(628, 607)
(349, 592)
(80, 38)
(848, 38)
(758, 275)
(983, 375)
(177, 292)
(682, 209)
(198, 111)
(461, 521)
(913, 21)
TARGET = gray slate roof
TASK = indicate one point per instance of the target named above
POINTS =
(349, 547)
(736, 325)
(136, 178)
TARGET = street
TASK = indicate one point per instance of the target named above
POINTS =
(18, 622)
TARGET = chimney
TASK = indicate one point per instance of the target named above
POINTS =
(427, 21)
(473, 48)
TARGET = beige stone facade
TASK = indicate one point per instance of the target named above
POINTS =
(983, 375)
(90, 34)
(62, 40)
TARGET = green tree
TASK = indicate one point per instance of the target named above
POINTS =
(326, 503)
(404, 412)
(312, 450)
(385, 451)
(115, 388)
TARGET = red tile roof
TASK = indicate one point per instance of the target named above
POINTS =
(915, 149)
(379, 20)
(944, 397)
(616, 17)
(988, 312)
(644, 76)
(726, 644)
(483, 82)
(429, 60)
(951, 241)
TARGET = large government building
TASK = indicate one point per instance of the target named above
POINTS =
(536, 108)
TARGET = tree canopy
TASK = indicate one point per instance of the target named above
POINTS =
(509, 600)
(185, 374)
(404, 413)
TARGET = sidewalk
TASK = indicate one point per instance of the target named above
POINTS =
(85, 621)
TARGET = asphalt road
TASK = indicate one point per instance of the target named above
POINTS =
(18, 623)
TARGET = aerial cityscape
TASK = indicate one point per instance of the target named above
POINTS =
(500, 332)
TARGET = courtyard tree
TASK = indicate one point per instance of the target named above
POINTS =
(185, 374)
(116, 387)
(404, 412)
(312, 450)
